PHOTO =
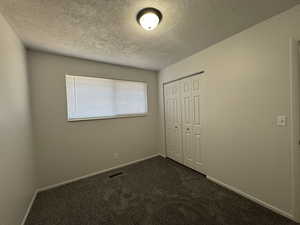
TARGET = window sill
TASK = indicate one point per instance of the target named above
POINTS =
(107, 117)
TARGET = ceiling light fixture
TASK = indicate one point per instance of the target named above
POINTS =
(149, 18)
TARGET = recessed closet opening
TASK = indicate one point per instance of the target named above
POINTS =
(182, 113)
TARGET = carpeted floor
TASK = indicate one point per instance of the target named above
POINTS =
(154, 192)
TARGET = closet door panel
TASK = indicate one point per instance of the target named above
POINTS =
(169, 120)
(196, 123)
(186, 103)
(173, 121)
(177, 124)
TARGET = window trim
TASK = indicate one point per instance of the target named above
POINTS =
(108, 117)
(118, 116)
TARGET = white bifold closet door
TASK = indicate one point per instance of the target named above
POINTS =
(188, 121)
(173, 121)
(191, 127)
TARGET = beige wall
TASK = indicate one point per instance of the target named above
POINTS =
(17, 177)
(245, 86)
(68, 150)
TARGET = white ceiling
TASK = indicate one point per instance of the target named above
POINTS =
(107, 31)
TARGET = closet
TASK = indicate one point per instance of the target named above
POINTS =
(182, 122)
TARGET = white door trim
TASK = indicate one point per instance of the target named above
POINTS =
(294, 121)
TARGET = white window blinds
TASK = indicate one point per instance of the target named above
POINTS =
(90, 98)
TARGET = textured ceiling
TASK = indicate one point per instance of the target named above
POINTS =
(106, 30)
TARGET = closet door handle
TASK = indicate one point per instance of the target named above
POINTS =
(187, 128)
(176, 127)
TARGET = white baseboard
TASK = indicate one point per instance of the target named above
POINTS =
(252, 198)
(29, 208)
(94, 173)
(162, 155)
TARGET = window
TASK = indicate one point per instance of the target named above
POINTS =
(93, 98)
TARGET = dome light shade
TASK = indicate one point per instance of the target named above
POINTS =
(149, 18)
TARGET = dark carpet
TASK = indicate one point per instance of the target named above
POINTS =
(157, 191)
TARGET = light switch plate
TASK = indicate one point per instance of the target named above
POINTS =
(281, 121)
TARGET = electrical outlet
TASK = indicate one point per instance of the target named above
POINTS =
(281, 121)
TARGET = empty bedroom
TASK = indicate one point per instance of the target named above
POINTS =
(149, 112)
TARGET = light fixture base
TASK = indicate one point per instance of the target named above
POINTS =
(142, 13)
